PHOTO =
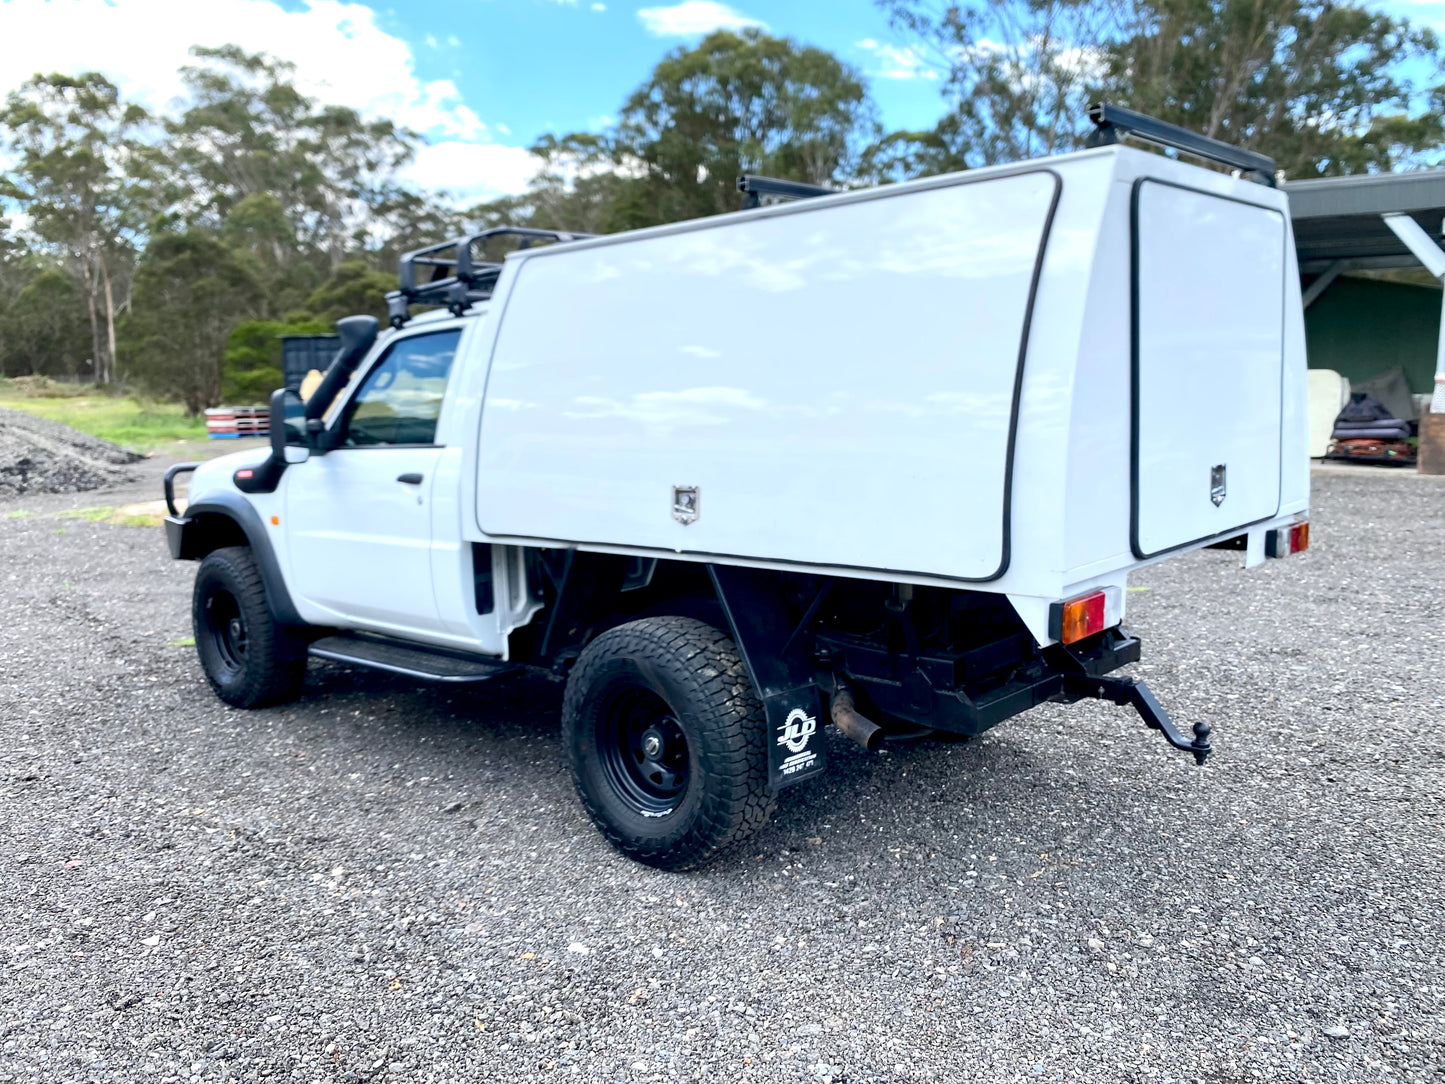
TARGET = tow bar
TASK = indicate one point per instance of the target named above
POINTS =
(1135, 694)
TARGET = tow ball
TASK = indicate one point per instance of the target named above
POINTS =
(1131, 693)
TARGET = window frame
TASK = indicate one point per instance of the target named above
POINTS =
(347, 402)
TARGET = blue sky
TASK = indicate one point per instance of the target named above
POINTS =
(545, 65)
(481, 79)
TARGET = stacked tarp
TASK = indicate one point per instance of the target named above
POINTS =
(1366, 429)
(1366, 416)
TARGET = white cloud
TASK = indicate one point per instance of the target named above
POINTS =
(695, 17)
(599, 7)
(342, 57)
(897, 62)
(471, 172)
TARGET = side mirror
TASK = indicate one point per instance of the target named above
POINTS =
(290, 441)
(288, 445)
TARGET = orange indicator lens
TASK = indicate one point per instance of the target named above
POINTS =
(1083, 617)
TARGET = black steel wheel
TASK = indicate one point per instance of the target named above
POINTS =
(227, 630)
(248, 658)
(643, 749)
(666, 740)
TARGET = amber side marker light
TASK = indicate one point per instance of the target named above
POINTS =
(1078, 618)
(1287, 540)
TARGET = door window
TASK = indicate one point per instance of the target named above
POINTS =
(401, 398)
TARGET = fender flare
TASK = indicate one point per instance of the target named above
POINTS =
(236, 508)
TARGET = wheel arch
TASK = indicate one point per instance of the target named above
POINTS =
(226, 519)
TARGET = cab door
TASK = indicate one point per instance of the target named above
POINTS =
(358, 519)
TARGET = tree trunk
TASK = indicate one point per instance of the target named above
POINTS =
(109, 324)
(97, 352)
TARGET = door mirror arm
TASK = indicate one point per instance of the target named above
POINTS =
(290, 443)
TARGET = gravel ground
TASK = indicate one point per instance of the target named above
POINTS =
(384, 881)
(41, 456)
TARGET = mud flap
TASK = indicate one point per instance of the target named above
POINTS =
(778, 657)
(796, 745)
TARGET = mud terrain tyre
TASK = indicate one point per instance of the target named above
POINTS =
(248, 658)
(666, 741)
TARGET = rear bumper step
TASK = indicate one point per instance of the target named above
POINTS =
(411, 660)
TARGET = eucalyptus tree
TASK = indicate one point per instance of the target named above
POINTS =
(70, 139)
(737, 103)
(1015, 77)
(577, 187)
(191, 291)
(251, 146)
(42, 327)
(1324, 87)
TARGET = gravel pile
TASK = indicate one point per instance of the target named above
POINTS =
(40, 456)
(393, 882)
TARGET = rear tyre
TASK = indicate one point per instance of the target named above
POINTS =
(248, 658)
(666, 741)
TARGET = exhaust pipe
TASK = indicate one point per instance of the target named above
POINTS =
(862, 730)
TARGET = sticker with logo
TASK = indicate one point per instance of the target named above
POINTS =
(795, 737)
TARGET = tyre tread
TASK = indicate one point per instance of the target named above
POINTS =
(275, 666)
(735, 749)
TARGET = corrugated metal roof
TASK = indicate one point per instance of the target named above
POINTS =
(1338, 218)
(1376, 194)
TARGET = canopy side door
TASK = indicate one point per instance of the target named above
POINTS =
(1208, 364)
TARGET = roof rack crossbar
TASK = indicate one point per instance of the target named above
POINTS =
(1111, 120)
(754, 188)
(458, 278)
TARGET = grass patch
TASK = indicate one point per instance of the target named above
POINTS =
(19, 513)
(95, 515)
(131, 516)
(139, 424)
(28, 387)
(184, 641)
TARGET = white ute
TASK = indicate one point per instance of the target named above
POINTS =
(883, 459)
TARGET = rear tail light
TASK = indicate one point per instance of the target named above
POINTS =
(1287, 540)
(1079, 618)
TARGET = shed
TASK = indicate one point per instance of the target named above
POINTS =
(1362, 326)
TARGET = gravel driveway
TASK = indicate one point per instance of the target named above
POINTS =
(389, 882)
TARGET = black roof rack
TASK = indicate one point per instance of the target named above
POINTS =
(1110, 120)
(756, 189)
(453, 273)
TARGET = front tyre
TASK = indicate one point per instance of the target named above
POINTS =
(247, 657)
(666, 741)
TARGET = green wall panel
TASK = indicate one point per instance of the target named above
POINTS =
(1361, 327)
